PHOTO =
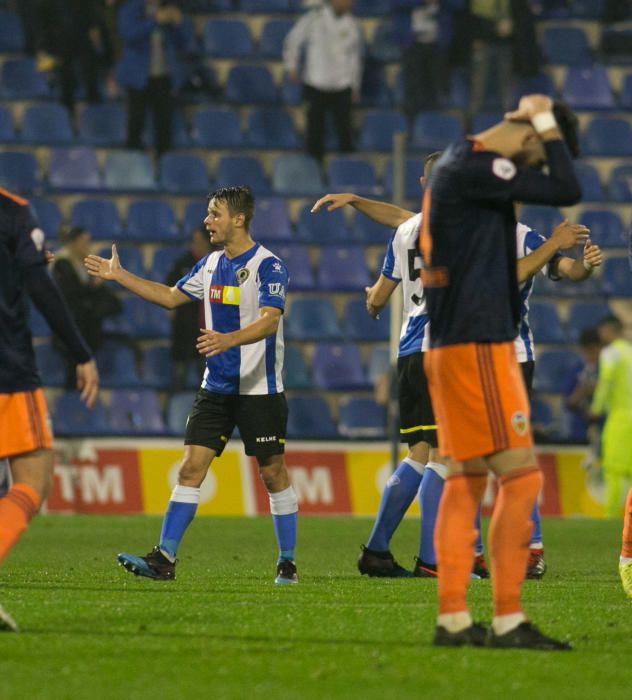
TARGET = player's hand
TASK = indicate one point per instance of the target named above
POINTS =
(88, 382)
(105, 269)
(335, 201)
(567, 235)
(529, 106)
(592, 254)
(372, 309)
(50, 256)
(212, 343)
(293, 76)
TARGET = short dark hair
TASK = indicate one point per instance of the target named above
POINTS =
(589, 336)
(569, 125)
(613, 321)
(71, 234)
(238, 200)
(430, 160)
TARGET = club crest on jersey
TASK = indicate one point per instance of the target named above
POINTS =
(520, 423)
(242, 274)
(503, 168)
(223, 294)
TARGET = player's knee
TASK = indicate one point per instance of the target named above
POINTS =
(191, 472)
(274, 474)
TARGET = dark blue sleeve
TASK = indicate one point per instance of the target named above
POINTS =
(29, 239)
(273, 283)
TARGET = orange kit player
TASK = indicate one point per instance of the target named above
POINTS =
(468, 243)
(26, 439)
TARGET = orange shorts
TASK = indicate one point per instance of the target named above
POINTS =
(479, 399)
(24, 423)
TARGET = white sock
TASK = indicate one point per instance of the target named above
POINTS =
(536, 545)
(283, 502)
(501, 624)
(438, 468)
(414, 464)
(455, 622)
(624, 561)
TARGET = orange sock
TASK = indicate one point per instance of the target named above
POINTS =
(16, 510)
(509, 535)
(455, 536)
(626, 539)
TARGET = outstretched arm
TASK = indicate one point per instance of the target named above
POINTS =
(168, 297)
(381, 212)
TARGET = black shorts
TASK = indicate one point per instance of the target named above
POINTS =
(416, 418)
(528, 368)
(261, 419)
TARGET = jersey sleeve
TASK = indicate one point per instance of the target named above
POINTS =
(391, 269)
(273, 283)
(30, 238)
(192, 284)
(532, 241)
(608, 359)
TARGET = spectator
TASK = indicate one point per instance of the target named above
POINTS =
(150, 34)
(580, 386)
(90, 302)
(188, 318)
(332, 72)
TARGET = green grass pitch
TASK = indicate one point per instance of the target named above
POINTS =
(224, 630)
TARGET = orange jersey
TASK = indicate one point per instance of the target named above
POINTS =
(24, 423)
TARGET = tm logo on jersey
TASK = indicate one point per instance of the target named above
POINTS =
(223, 294)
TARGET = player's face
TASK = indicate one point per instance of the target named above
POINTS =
(219, 222)
(532, 154)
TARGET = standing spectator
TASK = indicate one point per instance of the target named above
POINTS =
(89, 301)
(613, 398)
(150, 34)
(580, 386)
(332, 41)
(189, 318)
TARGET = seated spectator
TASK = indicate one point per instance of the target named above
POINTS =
(89, 300)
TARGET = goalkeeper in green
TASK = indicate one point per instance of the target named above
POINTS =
(613, 398)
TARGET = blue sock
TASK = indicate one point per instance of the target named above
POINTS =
(478, 547)
(429, 498)
(398, 494)
(180, 512)
(284, 509)
(536, 535)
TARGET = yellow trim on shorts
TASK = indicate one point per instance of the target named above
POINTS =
(404, 431)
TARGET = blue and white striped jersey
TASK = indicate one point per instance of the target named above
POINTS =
(402, 263)
(527, 240)
(233, 291)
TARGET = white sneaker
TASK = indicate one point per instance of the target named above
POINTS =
(7, 623)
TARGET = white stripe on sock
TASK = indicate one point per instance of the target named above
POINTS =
(439, 469)
(185, 494)
(414, 464)
(283, 502)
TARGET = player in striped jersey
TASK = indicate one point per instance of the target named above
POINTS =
(243, 287)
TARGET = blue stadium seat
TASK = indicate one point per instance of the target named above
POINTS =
(372, 8)
(545, 323)
(378, 128)
(552, 368)
(183, 173)
(272, 128)
(311, 319)
(163, 261)
(152, 220)
(296, 259)
(362, 418)
(607, 137)
(617, 277)
(47, 124)
(179, 134)
(117, 366)
(385, 47)
(483, 121)
(606, 228)
(157, 367)
(343, 268)
(242, 170)
(295, 372)
(271, 221)
(250, 85)
(588, 88)
(369, 232)
(136, 412)
(50, 364)
(129, 170)
(217, 128)
(357, 325)
(72, 417)
(620, 184)
(20, 81)
(194, 214)
(178, 410)
(48, 215)
(74, 169)
(145, 320)
(585, 315)
(291, 92)
(351, 174)
(338, 367)
(626, 92)
(264, 6)
(321, 227)
(588, 177)
(99, 216)
(542, 219)
(7, 130)
(433, 131)
(374, 91)
(414, 169)
(103, 125)
(11, 33)
(38, 325)
(540, 83)
(379, 363)
(297, 175)
(227, 38)
(542, 419)
(615, 43)
(18, 172)
(272, 37)
(567, 46)
(131, 259)
(588, 9)
(309, 418)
